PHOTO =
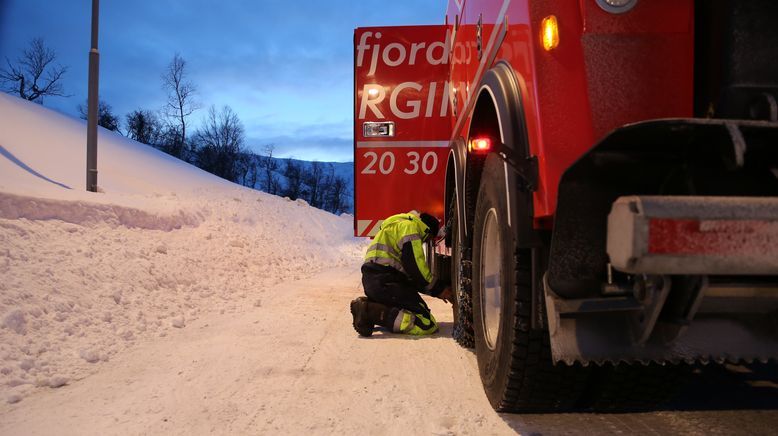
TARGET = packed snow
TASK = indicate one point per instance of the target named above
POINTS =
(172, 301)
(87, 275)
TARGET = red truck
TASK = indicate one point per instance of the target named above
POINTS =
(607, 172)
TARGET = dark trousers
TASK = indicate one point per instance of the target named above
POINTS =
(386, 285)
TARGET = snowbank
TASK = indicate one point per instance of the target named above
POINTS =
(84, 276)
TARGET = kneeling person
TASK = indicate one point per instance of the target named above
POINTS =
(394, 272)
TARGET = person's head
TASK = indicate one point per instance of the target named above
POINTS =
(432, 223)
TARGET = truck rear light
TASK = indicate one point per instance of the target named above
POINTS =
(549, 36)
(382, 129)
(480, 145)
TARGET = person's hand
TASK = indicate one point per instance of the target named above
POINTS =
(447, 295)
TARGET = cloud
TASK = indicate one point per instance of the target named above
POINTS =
(321, 148)
(285, 67)
(326, 142)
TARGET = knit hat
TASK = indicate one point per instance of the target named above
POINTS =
(431, 222)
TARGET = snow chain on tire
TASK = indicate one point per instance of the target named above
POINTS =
(463, 306)
(463, 328)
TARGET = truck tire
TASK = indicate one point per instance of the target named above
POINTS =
(514, 361)
(460, 281)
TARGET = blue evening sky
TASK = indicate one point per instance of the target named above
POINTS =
(285, 67)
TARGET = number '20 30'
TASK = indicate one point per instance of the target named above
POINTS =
(385, 163)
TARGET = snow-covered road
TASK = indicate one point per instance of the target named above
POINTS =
(293, 365)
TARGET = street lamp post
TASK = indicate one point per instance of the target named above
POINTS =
(92, 100)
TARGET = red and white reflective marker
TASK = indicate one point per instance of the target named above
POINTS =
(694, 235)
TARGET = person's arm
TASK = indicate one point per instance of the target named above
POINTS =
(415, 265)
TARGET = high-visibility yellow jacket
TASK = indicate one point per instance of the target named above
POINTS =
(399, 244)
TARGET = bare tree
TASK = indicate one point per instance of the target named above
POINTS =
(246, 169)
(105, 116)
(252, 175)
(144, 126)
(219, 143)
(169, 142)
(336, 190)
(294, 179)
(315, 181)
(34, 75)
(269, 167)
(180, 101)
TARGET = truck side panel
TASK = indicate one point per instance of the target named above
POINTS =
(401, 122)
(629, 84)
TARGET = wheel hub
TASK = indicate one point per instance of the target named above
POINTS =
(491, 279)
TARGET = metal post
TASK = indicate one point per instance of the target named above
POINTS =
(91, 122)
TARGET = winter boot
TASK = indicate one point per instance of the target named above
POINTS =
(362, 323)
(367, 314)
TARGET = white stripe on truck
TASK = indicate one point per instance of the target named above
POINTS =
(405, 144)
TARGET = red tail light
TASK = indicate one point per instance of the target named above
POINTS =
(480, 145)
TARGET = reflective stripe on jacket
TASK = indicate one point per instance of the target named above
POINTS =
(398, 244)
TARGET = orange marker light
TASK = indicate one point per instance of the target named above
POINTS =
(549, 33)
(480, 145)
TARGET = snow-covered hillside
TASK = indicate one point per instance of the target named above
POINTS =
(85, 276)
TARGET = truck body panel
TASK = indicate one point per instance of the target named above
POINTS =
(400, 77)
(600, 70)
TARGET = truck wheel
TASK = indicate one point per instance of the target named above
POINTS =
(460, 281)
(514, 361)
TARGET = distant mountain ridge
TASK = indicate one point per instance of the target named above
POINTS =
(330, 172)
(342, 169)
